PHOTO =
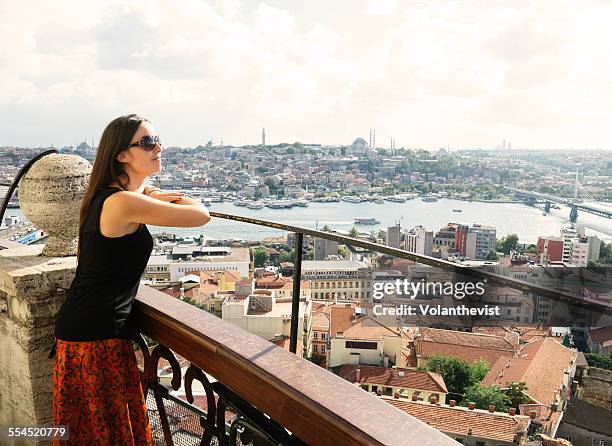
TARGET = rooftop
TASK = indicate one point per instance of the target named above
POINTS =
(463, 421)
(369, 328)
(396, 377)
(468, 346)
(541, 365)
(338, 265)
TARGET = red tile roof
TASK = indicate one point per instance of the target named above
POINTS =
(461, 421)
(368, 328)
(468, 346)
(542, 369)
(284, 342)
(601, 334)
(393, 377)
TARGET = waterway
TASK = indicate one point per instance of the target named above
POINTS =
(508, 218)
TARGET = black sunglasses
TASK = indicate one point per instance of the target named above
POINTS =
(147, 142)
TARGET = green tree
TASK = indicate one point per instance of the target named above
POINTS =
(354, 232)
(290, 150)
(260, 256)
(454, 371)
(485, 395)
(492, 255)
(515, 392)
(270, 183)
(605, 252)
(287, 256)
(597, 360)
(508, 243)
(478, 370)
(566, 341)
(326, 228)
(343, 251)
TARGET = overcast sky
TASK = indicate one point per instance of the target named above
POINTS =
(429, 73)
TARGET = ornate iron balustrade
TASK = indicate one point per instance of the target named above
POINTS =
(274, 397)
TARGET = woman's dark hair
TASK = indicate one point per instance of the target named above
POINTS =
(106, 169)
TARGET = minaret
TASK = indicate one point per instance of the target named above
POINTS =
(263, 137)
(374, 139)
(370, 138)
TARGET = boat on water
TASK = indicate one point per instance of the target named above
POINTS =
(255, 205)
(429, 198)
(301, 203)
(216, 198)
(366, 221)
(457, 210)
(351, 199)
(240, 203)
(206, 201)
(379, 201)
(396, 199)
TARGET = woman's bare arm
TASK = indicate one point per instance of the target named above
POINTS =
(139, 208)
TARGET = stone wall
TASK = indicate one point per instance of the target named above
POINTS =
(597, 387)
(32, 289)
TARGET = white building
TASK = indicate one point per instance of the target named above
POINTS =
(420, 241)
(367, 342)
(263, 314)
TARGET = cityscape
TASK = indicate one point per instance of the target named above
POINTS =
(406, 240)
(406, 361)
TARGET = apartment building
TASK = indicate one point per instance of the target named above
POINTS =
(346, 280)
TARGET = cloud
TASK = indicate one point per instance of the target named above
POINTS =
(463, 72)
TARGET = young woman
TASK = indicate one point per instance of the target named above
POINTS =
(96, 385)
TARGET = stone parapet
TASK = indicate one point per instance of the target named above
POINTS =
(32, 290)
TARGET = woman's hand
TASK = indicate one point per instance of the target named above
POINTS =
(169, 197)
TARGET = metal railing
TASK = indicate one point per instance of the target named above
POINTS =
(482, 274)
(256, 393)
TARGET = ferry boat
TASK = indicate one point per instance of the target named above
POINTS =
(457, 210)
(379, 201)
(351, 199)
(366, 221)
(396, 199)
(240, 203)
(429, 198)
(301, 203)
(206, 201)
(216, 198)
(254, 205)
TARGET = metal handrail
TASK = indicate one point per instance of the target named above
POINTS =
(511, 282)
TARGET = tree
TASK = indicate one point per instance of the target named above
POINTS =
(287, 256)
(492, 255)
(343, 251)
(260, 256)
(326, 228)
(478, 370)
(515, 392)
(485, 395)
(597, 360)
(354, 232)
(566, 341)
(508, 243)
(290, 150)
(454, 371)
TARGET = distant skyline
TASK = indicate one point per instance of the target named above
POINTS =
(458, 74)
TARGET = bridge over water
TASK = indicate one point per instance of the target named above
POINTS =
(531, 197)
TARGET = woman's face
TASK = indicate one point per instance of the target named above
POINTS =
(138, 160)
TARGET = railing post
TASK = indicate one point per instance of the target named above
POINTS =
(295, 302)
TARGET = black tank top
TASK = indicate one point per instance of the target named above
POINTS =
(99, 301)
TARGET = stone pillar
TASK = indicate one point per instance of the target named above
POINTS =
(32, 290)
(33, 286)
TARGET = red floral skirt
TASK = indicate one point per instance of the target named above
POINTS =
(97, 393)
